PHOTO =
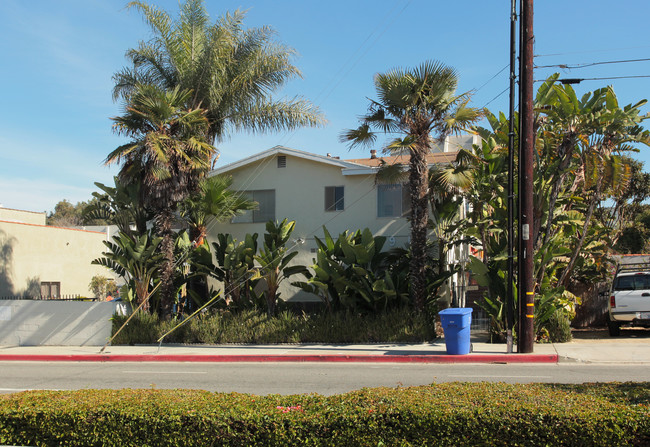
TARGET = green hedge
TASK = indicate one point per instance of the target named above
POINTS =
(254, 326)
(445, 414)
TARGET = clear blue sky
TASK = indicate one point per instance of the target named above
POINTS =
(58, 58)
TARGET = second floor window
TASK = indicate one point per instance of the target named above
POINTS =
(334, 198)
(392, 200)
(265, 210)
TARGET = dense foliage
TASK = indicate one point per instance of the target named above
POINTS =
(451, 414)
(66, 214)
(415, 109)
(190, 85)
(581, 164)
(255, 326)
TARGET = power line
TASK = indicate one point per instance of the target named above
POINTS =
(592, 51)
(591, 64)
(487, 103)
(353, 60)
(488, 81)
(579, 80)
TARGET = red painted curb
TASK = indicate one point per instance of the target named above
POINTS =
(471, 358)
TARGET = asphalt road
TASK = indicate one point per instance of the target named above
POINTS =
(294, 378)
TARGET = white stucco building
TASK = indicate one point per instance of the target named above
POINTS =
(319, 190)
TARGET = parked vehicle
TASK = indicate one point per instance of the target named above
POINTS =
(629, 300)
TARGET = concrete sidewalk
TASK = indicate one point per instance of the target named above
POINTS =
(598, 350)
(375, 353)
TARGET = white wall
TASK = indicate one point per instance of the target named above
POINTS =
(55, 323)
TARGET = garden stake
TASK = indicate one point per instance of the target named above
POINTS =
(160, 340)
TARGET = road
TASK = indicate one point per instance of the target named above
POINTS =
(294, 378)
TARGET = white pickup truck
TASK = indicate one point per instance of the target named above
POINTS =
(629, 300)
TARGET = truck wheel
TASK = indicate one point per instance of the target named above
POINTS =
(614, 328)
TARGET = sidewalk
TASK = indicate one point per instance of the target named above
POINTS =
(600, 350)
(374, 353)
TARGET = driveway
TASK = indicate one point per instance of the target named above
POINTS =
(596, 346)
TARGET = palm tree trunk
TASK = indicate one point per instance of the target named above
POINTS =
(167, 290)
(419, 218)
(199, 285)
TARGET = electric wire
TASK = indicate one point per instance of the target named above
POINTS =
(497, 96)
(328, 89)
(489, 80)
(590, 64)
(604, 78)
(602, 50)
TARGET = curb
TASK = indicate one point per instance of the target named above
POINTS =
(471, 358)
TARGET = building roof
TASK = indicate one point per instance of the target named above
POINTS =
(281, 150)
(51, 227)
(442, 153)
(439, 157)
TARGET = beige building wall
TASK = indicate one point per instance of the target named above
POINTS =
(31, 254)
(29, 217)
(300, 196)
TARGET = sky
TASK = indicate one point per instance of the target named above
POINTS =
(58, 58)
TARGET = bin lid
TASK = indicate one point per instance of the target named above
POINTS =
(456, 311)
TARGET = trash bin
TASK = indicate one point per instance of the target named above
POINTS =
(456, 325)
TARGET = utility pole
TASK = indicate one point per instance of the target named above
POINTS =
(526, 285)
(510, 300)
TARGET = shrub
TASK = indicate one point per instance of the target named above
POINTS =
(559, 327)
(448, 414)
(254, 326)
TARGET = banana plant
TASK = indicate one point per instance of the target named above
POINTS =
(274, 259)
(350, 272)
(136, 260)
(235, 268)
(120, 205)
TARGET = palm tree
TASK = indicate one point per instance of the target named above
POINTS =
(231, 71)
(421, 106)
(214, 201)
(167, 154)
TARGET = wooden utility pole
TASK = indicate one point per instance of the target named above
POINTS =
(526, 285)
(510, 299)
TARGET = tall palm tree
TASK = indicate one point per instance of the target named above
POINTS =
(231, 71)
(421, 106)
(167, 154)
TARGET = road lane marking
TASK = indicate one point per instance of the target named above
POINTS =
(496, 377)
(17, 390)
(164, 372)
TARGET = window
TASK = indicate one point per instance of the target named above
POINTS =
(334, 200)
(392, 200)
(50, 290)
(639, 281)
(282, 161)
(265, 210)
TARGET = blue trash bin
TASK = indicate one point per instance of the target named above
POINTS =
(456, 325)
